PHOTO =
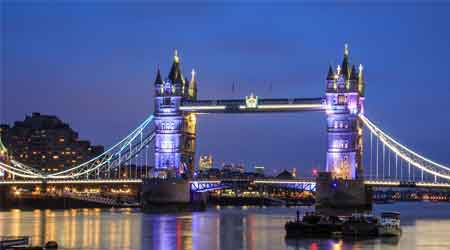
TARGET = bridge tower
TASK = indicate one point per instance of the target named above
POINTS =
(345, 101)
(189, 126)
(175, 130)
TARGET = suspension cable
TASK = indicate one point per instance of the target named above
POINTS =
(407, 154)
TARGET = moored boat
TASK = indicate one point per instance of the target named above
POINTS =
(389, 224)
(313, 225)
(360, 225)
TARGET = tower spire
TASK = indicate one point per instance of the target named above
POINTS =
(158, 79)
(193, 85)
(175, 56)
(330, 75)
(361, 82)
(353, 74)
(175, 74)
(345, 63)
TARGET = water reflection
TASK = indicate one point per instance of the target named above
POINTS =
(226, 228)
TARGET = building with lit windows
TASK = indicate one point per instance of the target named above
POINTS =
(205, 162)
(46, 143)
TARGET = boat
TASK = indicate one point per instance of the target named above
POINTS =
(360, 225)
(384, 201)
(23, 243)
(11, 241)
(389, 224)
(356, 225)
(313, 225)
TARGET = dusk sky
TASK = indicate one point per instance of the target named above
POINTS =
(94, 65)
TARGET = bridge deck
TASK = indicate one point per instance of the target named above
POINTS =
(374, 183)
(261, 105)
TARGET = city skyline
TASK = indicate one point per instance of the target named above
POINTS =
(92, 77)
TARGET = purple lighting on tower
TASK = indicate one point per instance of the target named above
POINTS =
(344, 101)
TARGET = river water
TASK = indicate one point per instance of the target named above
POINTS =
(425, 226)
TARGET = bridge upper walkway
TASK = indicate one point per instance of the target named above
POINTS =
(254, 105)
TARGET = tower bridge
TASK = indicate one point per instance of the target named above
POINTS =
(176, 106)
(168, 139)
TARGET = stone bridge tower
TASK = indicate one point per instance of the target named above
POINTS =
(175, 129)
(345, 101)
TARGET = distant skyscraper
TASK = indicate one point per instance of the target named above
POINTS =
(240, 168)
(205, 162)
(259, 170)
(46, 143)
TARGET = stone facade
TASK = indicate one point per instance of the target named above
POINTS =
(344, 102)
(175, 129)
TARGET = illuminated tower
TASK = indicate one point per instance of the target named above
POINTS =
(175, 129)
(345, 101)
(168, 118)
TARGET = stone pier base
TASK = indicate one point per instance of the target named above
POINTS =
(338, 196)
(4, 193)
(170, 195)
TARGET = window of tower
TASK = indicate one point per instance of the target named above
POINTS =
(166, 100)
(342, 99)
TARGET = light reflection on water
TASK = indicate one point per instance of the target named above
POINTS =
(425, 226)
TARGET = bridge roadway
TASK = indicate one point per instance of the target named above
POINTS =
(218, 184)
(257, 106)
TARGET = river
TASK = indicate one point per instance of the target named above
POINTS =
(426, 226)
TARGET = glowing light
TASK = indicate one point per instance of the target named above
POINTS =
(288, 106)
(200, 108)
(425, 184)
(176, 58)
(251, 101)
(283, 182)
(382, 183)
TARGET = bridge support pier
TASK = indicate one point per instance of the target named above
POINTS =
(340, 195)
(170, 195)
(4, 191)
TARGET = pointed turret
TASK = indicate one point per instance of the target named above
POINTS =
(175, 74)
(330, 75)
(345, 67)
(158, 79)
(361, 82)
(354, 74)
(193, 85)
